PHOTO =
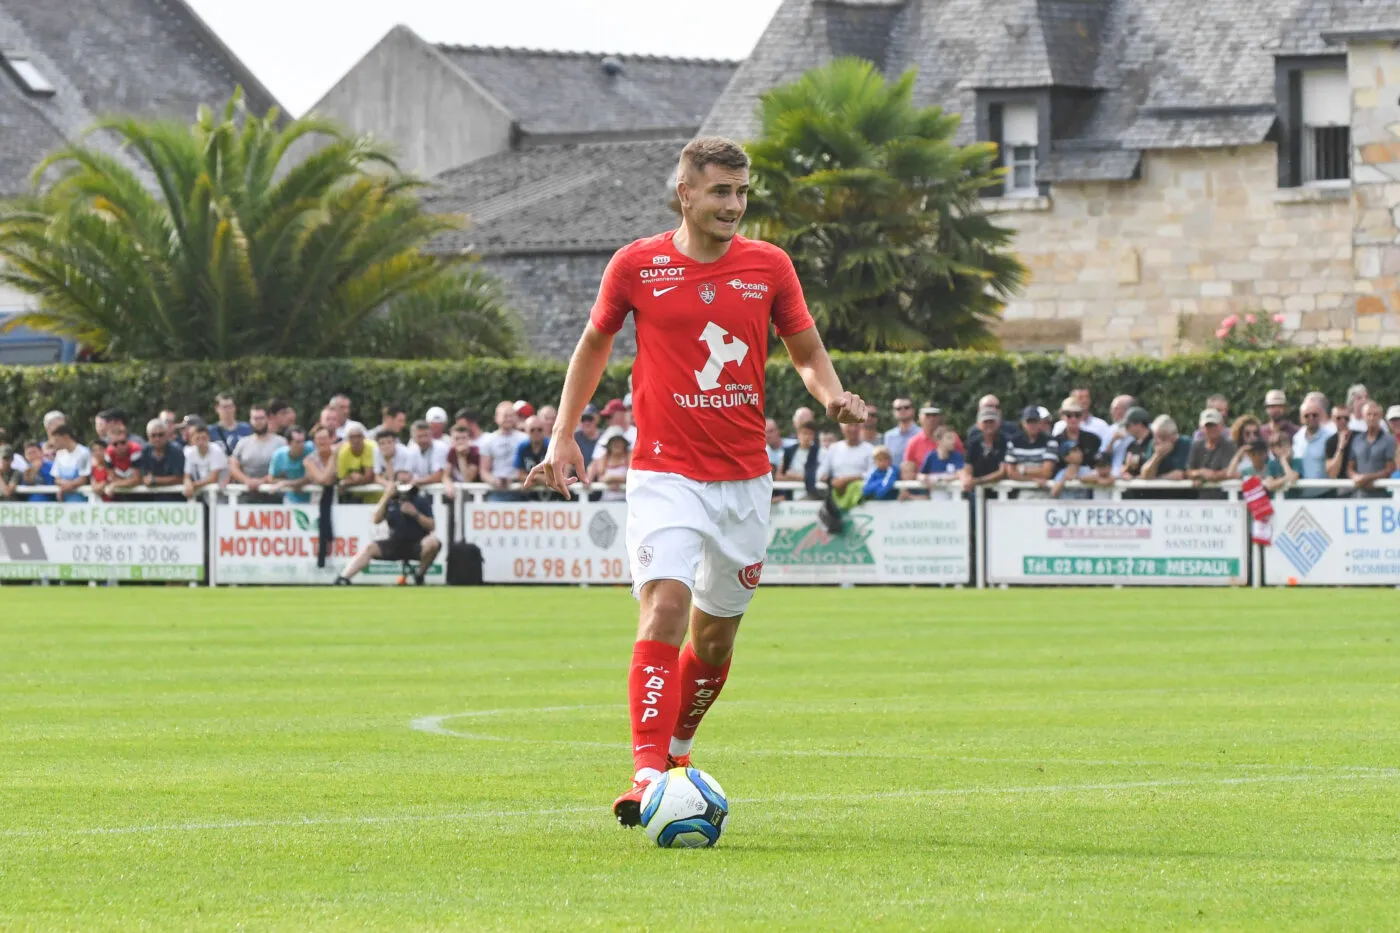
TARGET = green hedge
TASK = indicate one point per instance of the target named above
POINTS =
(954, 380)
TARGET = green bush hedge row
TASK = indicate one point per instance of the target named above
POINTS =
(954, 380)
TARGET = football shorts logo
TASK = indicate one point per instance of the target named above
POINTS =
(644, 555)
(750, 574)
(721, 352)
(707, 292)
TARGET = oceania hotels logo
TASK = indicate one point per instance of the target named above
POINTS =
(1303, 542)
(749, 289)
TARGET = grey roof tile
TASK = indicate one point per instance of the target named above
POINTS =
(1082, 165)
(562, 93)
(593, 196)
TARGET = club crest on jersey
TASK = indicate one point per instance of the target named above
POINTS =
(644, 555)
(750, 574)
(707, 292)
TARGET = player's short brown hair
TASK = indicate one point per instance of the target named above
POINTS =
(712, 150)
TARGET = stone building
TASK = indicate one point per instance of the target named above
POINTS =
(555, 158)
(1168, 163)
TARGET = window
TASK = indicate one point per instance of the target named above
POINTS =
(1020, 139)
(30, 78)
(1325, 143)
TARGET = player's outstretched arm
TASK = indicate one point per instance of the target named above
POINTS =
(563, 462)
(810, 358)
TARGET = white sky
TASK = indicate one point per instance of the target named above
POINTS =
(300, 48)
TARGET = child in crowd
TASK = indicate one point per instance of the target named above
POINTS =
(100, 473)
(880, 483)
(942, 468)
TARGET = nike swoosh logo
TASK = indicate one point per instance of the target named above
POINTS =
(658, 292)
(640, 747)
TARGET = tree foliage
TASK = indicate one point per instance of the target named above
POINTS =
(221, 244)
(880, 212)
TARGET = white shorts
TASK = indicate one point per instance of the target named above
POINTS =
(710, 536)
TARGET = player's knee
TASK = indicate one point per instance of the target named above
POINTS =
(665, 611)
(714, 643)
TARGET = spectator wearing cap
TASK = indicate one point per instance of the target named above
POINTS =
(1338, 450)
(1088, 420)
(905, 429)
(123, 455)
(354, 463)
(436, 420)
(587, 434)
(1170, 452)
(1031, 454)
(1372, 453)
(72, 462)
(985, 460)
(206, 463)
(1276, 410)
(1210, 457)
(925, 442)
(1221, 404)
(1392, 419)
(1073, 433)
(162, 463)
(615, 414)
(227, 431)
(1008, 429)
(1310, 444)
(498, 450)
(392, 419)
(280, 417)
(610, 464)
(523, 409)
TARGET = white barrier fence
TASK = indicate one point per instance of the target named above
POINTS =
(1122, 537)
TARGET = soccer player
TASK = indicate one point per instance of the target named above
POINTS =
(700, 485)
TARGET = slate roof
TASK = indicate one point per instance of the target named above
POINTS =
(567, 93)
(145, 57)
(590, 197)
(1162, 74)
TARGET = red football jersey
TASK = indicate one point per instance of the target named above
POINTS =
(702, 341)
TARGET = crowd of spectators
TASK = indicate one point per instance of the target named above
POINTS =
(1069, 452)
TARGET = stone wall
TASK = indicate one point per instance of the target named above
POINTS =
(554, 293)
(1152, 266)
(1374, 71)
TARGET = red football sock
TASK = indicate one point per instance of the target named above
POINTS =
(700, 686)
(654, 696)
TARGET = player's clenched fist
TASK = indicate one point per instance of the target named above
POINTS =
(846, 408)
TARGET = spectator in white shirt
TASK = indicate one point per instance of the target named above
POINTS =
(498, 451)
(205, 463)
(437, 428)
(773, 437)
(428, 456)
(846, 465)
(72, 462)
(391, 457)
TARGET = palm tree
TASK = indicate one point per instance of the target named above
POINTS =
(212, 242)
(880, 212)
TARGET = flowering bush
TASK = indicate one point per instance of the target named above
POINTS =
(1250, 332)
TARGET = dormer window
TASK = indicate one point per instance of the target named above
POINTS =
(1020, 140)
(30, 79)
(1326, 127)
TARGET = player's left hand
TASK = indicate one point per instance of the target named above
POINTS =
(846, 408)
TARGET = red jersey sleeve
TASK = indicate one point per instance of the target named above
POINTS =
(614, 295)
(790, 314)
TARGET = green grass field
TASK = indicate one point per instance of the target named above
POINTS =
(896, 759)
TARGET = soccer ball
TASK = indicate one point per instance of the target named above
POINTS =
(685, 808)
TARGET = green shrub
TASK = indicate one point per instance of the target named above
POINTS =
(954, 380)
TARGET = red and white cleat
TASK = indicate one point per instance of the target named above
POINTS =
(628, 807)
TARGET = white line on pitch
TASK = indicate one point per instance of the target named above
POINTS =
(410, 818)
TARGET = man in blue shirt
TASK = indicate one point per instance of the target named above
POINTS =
(228, 430)
(288, 467)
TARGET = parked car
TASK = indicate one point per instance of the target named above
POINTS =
(24, 347)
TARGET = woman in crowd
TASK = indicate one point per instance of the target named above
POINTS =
(611, 468)
(1245, 429)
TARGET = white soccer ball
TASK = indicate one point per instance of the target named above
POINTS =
(685, 808)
